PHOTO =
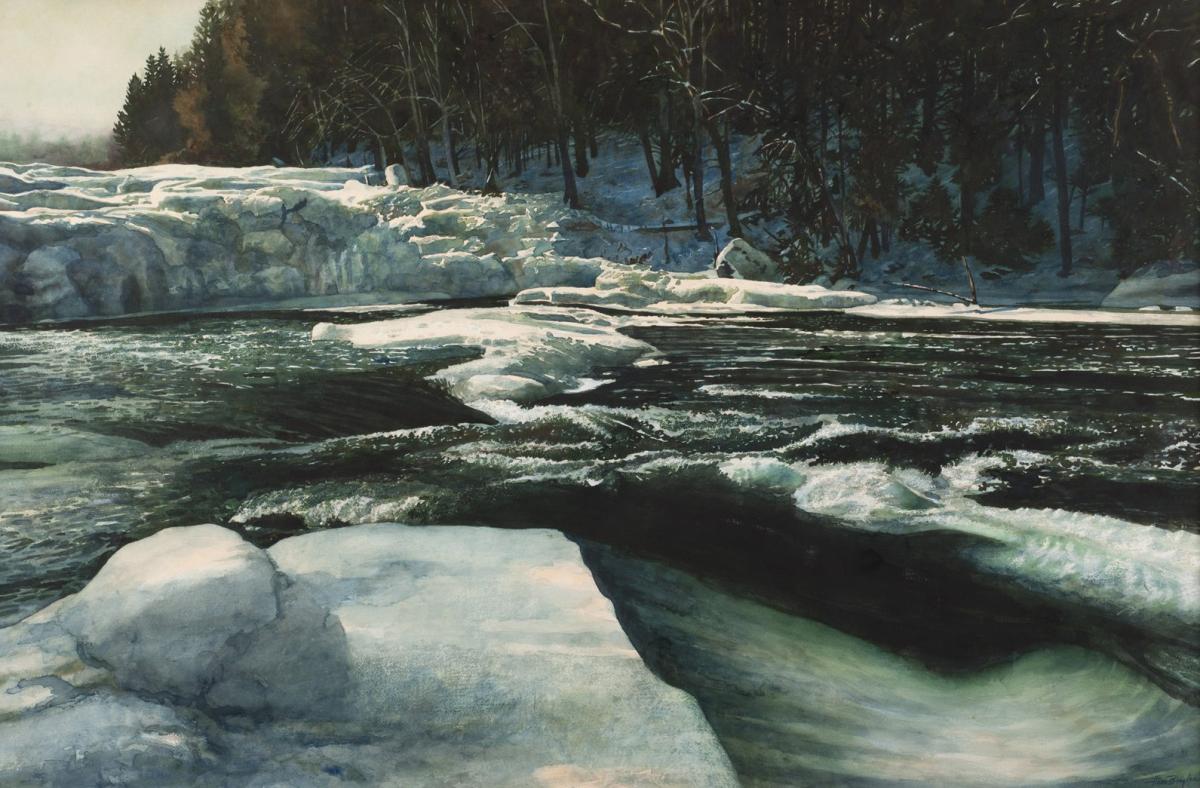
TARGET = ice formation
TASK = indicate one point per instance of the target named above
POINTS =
(527, 354)
(380, 654)
(76, 243)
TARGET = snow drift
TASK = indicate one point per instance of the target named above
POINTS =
(379, 654)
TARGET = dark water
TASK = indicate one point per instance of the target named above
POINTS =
(962, 496)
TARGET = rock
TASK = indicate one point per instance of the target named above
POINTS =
(394, 176)
(163, 613)
(746, 262)
(1158, 284)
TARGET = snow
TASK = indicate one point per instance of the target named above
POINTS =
(1161, 285)
(907, 309)
(527, 354)
(662, 292)
(746, 262)
(175, 237)
(398, 654)
(163, 612)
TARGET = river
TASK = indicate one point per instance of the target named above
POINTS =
(848, 537)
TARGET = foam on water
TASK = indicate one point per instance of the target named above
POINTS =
(1143, 574)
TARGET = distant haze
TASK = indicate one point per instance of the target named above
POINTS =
(64, 64)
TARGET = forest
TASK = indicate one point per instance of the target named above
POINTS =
(846, 100)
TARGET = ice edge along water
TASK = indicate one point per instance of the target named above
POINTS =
(384, 654)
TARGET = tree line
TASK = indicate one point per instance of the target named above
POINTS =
(876, 119)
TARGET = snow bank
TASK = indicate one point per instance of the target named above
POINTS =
(527, 354)
(905, 308)
(180, 237)
(439, 655)
(667, 293)
(1159, 284)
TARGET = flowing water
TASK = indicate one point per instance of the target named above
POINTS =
(869, 548)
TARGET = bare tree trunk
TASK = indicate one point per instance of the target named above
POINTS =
(1020, 162)
(721, 143)
(666, 156)
(448, 145)
(380, 155)
(455, 164)
(831, 206)
(702, 231)
(648, 152)
(570, 190)
(403, 162)
(491, 184)
(1037, 161)
(581, 158)
(966, 167)
(1060, 176)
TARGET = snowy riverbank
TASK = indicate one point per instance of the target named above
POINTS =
(77, 243)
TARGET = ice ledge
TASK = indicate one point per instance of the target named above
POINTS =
(641, 290)
(527, 354)
(388, 654)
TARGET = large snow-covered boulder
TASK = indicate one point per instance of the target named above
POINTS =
(163, 612)
(464, 656)
(1161, 284)
(746, 262)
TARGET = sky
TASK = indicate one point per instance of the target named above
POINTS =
(64, 64)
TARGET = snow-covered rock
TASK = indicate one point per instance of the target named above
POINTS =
(465, 656)
(394, 176)
(178, 237)
(746, 262)
(1158, 284)
(163, 613)
(528, 354)
(662, 292)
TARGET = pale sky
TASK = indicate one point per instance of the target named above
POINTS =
(64, 64)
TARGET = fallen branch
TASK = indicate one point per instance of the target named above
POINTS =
(971, 280)
(973, 300)
(672, 228)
